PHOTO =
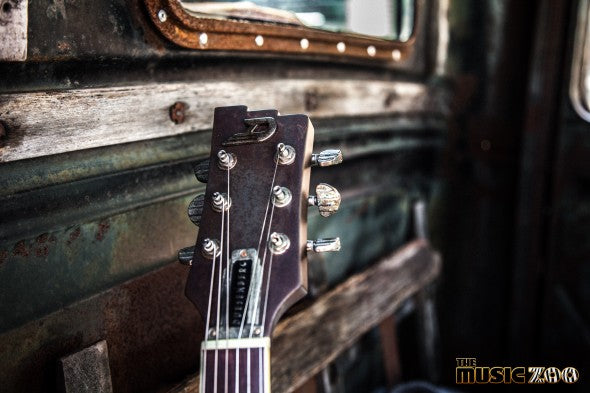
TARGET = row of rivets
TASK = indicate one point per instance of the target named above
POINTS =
(304, 43)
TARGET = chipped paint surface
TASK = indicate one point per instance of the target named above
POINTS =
(13, 30)
(54, 269)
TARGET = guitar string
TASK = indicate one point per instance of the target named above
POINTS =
(216, 382)
(227, 277)
(260, 371)
(250, 290)
(208, 320)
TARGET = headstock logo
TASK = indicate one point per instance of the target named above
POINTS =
(255, 133)
(467, 372)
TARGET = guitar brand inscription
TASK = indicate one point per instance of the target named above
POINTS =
(259, 130)
(241, 276)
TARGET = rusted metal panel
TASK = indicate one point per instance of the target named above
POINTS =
(152, 331)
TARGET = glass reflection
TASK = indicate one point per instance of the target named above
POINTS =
(389, 19)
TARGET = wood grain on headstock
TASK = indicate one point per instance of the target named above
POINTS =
(250, 185)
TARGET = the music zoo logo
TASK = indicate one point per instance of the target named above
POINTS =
(467, 372)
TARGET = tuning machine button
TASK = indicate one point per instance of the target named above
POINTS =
(185, 255)
(327, 199)
(195, 209)
(327, 158)
(324, 245)
(202, 171)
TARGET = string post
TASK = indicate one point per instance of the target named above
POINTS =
(281, 196)
(220, 202)
(285, 154)
(279, 243)
(225, 160)
(211, 248)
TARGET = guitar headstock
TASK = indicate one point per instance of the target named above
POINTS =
(249, 262)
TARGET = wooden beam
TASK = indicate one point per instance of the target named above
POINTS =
(308, 341)
(45, 123)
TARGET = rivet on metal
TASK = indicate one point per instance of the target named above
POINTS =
(211, 248)
(203, 39)
(371, 50)
(304, 43)
(279, 243)
(162, 16)
(177, 112)
(226, 160)
(341, 46)
(220, 202)
(396, 54)
(281, 196)
(285, 154)
(259, 40)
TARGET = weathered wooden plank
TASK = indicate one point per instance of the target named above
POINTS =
(45, 123)
(307, 342)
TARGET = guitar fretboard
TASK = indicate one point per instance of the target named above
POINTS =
(228, 367)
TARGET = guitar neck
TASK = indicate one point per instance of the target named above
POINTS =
(235, 366)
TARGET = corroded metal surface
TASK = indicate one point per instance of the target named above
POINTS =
(152, 331)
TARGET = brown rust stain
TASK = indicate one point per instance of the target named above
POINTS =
(75, 234)
(20, 249)
(3, 256)
(42, 249)
(103, 228)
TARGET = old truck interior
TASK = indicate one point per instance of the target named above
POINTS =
(363, 195)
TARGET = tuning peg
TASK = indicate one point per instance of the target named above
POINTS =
(327, 158)
(202, 171)
(195, 209)
(327, 199)
(324, 245)
(185, 255)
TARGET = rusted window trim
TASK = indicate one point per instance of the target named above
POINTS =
(191, 32)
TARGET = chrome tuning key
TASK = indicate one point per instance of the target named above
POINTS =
(195, 209)
(185, 255)
(202, 171)
(324, 245)
(327, 199)
(327, 158)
